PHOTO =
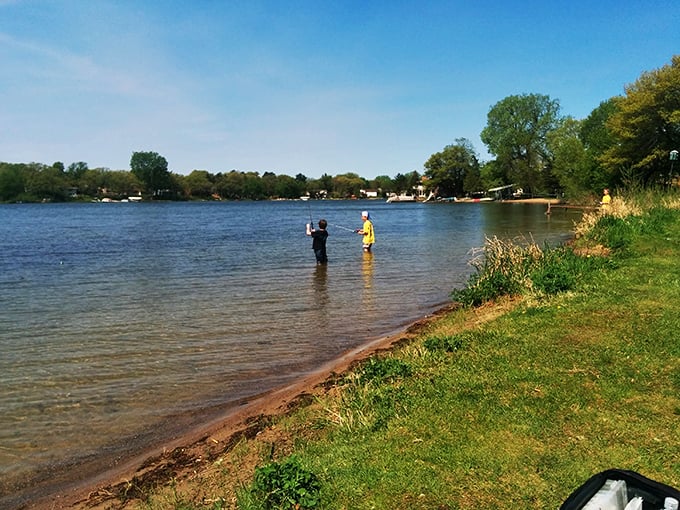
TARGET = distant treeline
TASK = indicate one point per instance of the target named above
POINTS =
(150, 179)
(627, 140)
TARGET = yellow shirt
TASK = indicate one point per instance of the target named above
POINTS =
(606, 200)
(369, 236)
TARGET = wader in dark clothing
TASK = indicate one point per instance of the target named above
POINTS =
(319, 245)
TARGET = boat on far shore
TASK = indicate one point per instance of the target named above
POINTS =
(400, 198)
(474, 199)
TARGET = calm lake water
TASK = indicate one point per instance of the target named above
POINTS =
(122, 324)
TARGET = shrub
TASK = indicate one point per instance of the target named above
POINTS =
(285, 485)
(512, 269)
(613, 232)
(502, 269)
(559, 270)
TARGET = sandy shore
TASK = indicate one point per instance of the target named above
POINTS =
(180, 458)
(545, 201)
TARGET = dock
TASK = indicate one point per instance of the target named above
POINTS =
(567, 206)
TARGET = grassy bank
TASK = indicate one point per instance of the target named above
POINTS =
(571, 368)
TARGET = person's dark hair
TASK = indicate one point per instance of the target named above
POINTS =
(323, 224)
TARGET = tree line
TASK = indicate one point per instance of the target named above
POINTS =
(150, 179)
(627, 139)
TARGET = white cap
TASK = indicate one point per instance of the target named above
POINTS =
(364, 213)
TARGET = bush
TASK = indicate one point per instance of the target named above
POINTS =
(285, 486)
(502, 270)
(485, 287)
(510, 269)
(559, 270)
(613, 232)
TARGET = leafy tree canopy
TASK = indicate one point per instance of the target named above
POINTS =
(151, 169)
(76, 170)
(383, 182)
(516, 133)
(594, 134)
(348, 184)
(12, 181)
(199, 184)
(447, 170)
(646, 125)
(570, 162)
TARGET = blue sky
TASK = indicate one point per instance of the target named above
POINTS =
(303, 86)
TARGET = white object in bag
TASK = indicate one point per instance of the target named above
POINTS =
(634, 504)
(613, 495)
(670, 504)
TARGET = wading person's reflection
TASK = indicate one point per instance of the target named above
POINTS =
(320, 286)
(367, 276)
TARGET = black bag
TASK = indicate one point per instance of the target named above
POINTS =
(653, 493)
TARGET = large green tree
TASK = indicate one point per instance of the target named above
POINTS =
(120, 183)
(348, 184)
(231, 185)
(253, 186)
(76, 170)
(199, 184)
(152, 170)
(597, 138)
(288, 187)
(570, 161)
(646, 126)
(12, 181)
(383, 183)
(92, 181)
(46, 182)
(325, 182)
(320, 188)
(450, 170)
(406, 183)
(516, 134)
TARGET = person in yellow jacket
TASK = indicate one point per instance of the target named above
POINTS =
(367, 231)
(606, 199)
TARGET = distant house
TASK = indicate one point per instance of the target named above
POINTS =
(369, 193)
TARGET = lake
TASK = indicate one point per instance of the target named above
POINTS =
(124, 324)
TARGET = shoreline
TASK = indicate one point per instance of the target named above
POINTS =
(187, 453)
(100, 455)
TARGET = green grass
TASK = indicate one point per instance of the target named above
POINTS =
(522, 410)
(517, 409)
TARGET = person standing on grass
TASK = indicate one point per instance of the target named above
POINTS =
(319, 236)
(367, 231)
(606, 199)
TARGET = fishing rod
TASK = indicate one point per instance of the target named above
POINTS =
(343, 228)
(311, 222)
